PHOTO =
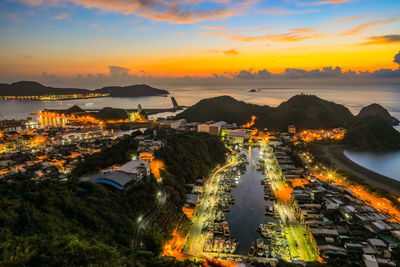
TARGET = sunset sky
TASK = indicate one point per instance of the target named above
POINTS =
(195, 37)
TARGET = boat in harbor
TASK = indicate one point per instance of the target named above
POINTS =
(226, 229)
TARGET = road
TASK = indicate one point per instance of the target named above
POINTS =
(295, 232)
(162, 197)
(195, 241)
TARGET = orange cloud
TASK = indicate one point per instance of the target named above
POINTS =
(215, 33)
(329, 2)
(362, 27)
(61, 16)
(231, 52)
(214, 27)
(293, 35)
(385, 39)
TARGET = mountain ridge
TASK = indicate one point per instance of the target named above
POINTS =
(31, 88)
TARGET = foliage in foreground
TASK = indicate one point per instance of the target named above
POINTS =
(76, 223)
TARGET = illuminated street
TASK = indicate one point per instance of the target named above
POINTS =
(205, 207)
(295, 232)
(298, 246)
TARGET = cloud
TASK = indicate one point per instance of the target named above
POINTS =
(176, 12)
(214, 27)
(121, 76)
(231, 52)
(293, 35)
(280, 11)
(397, 59)
(28, 56)
(323, 2)
(330, 2)
(362, 27)
(347, 19)
(61, 16)
(335, 73)
(117, 71)
(384, 39)
(215, 33)
(10, 16)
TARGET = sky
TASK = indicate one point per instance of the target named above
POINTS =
(82, 40)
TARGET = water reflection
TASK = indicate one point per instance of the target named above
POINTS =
(383, 162)
(249, 210)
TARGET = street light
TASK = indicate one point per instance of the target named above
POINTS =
(140, 219)
(159, 194)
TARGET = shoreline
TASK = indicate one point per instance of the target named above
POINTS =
(373, 179)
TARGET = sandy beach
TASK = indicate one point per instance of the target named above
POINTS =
(340, 161)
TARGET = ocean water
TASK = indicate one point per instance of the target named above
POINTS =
(386, 163)
(352, 96)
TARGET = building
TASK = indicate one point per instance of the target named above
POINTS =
(128, 174)
(213, 129)
(239, 135)
(146, 156)
(291, 129)
(178, 124)
(149, 145)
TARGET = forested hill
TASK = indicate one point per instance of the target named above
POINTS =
(131, 91)
(188, 157)
(372, 132)
(27, 88)
(379, 111)
(306, 112)
(303, 111)
(223, 108)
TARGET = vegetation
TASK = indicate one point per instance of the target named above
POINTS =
(306, 112)
(372, 132)
(73, 223)
(131, 91)
(302, 111)
(79, 223)
(188, 157)
(119, 153)
(223, 108)
(111, 114)
(27, 88)
(379, 111)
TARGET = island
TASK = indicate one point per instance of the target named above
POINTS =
(28, 90)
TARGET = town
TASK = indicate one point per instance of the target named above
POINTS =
(309, 212)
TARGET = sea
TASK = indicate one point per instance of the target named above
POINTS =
(353, 96)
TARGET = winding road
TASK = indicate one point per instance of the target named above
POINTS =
(162, 197)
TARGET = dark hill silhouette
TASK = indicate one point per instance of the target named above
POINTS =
(372, 132)
(223, 108)
(108, 113)
(131, 91)
(377, 110)
(306, 112)
(28, 88)
(74, 109)
(303, 111)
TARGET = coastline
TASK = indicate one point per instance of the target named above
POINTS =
(340, 161)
